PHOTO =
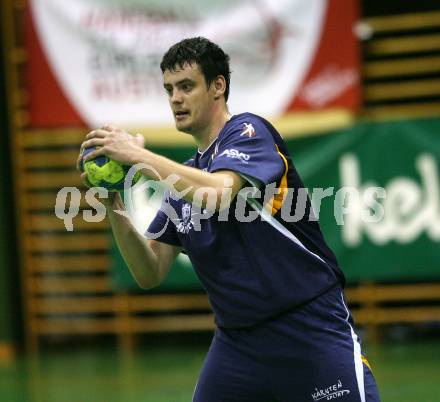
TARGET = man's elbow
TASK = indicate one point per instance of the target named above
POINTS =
(148, 284)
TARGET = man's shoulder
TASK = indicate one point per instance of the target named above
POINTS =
(248, 124)
(248, 117)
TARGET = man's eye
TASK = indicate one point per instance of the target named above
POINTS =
(186, 87)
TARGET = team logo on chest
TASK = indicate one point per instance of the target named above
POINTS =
(249, 130)
(186, 222)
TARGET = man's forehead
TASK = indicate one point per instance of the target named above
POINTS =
(179, 72)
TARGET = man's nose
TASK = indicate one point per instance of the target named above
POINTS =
(176, 97)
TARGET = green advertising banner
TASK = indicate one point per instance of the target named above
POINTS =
(375, 188)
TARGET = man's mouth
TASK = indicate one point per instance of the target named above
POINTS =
(181, 114)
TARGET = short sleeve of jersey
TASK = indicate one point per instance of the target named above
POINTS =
(249, 149)
(161, 228)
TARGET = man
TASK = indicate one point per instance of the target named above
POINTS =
(283, 330)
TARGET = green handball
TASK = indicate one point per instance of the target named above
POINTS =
(105, 172)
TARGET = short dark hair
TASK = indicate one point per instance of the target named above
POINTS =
(212, 60)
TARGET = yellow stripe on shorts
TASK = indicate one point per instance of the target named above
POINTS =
(364, 359)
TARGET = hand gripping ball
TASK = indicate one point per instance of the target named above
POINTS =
(105, 172)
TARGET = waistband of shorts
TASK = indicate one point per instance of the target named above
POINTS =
(285, 311)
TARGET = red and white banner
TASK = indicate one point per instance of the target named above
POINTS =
(94, 61)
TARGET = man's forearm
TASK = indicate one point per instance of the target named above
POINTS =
(139, 257)
(190, 181)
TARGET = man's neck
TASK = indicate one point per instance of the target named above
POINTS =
(210, 133)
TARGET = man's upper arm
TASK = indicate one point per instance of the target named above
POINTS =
(165, 254)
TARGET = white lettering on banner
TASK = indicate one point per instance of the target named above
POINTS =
(235, 154)
(105, 55)
(410, 208)
(328, 85)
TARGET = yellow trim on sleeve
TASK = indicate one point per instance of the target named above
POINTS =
(277, 200)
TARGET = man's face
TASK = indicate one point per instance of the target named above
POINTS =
(190, 99)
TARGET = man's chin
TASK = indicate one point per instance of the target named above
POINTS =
(184, 128)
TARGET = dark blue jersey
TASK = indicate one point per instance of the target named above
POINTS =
(252, 268)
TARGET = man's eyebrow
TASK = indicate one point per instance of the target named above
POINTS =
(185, 81)
(182, 81)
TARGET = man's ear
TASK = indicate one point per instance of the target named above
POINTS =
(219, 85)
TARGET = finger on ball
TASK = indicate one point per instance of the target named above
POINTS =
(96, 134)
(109, 127)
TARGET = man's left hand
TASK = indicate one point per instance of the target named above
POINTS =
(115, 143)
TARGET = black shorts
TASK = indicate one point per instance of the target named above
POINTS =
(307, 355)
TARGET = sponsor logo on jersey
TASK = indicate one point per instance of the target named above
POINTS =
(249, 130)
(235, 154)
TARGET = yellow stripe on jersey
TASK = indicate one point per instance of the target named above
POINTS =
(277, 200)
